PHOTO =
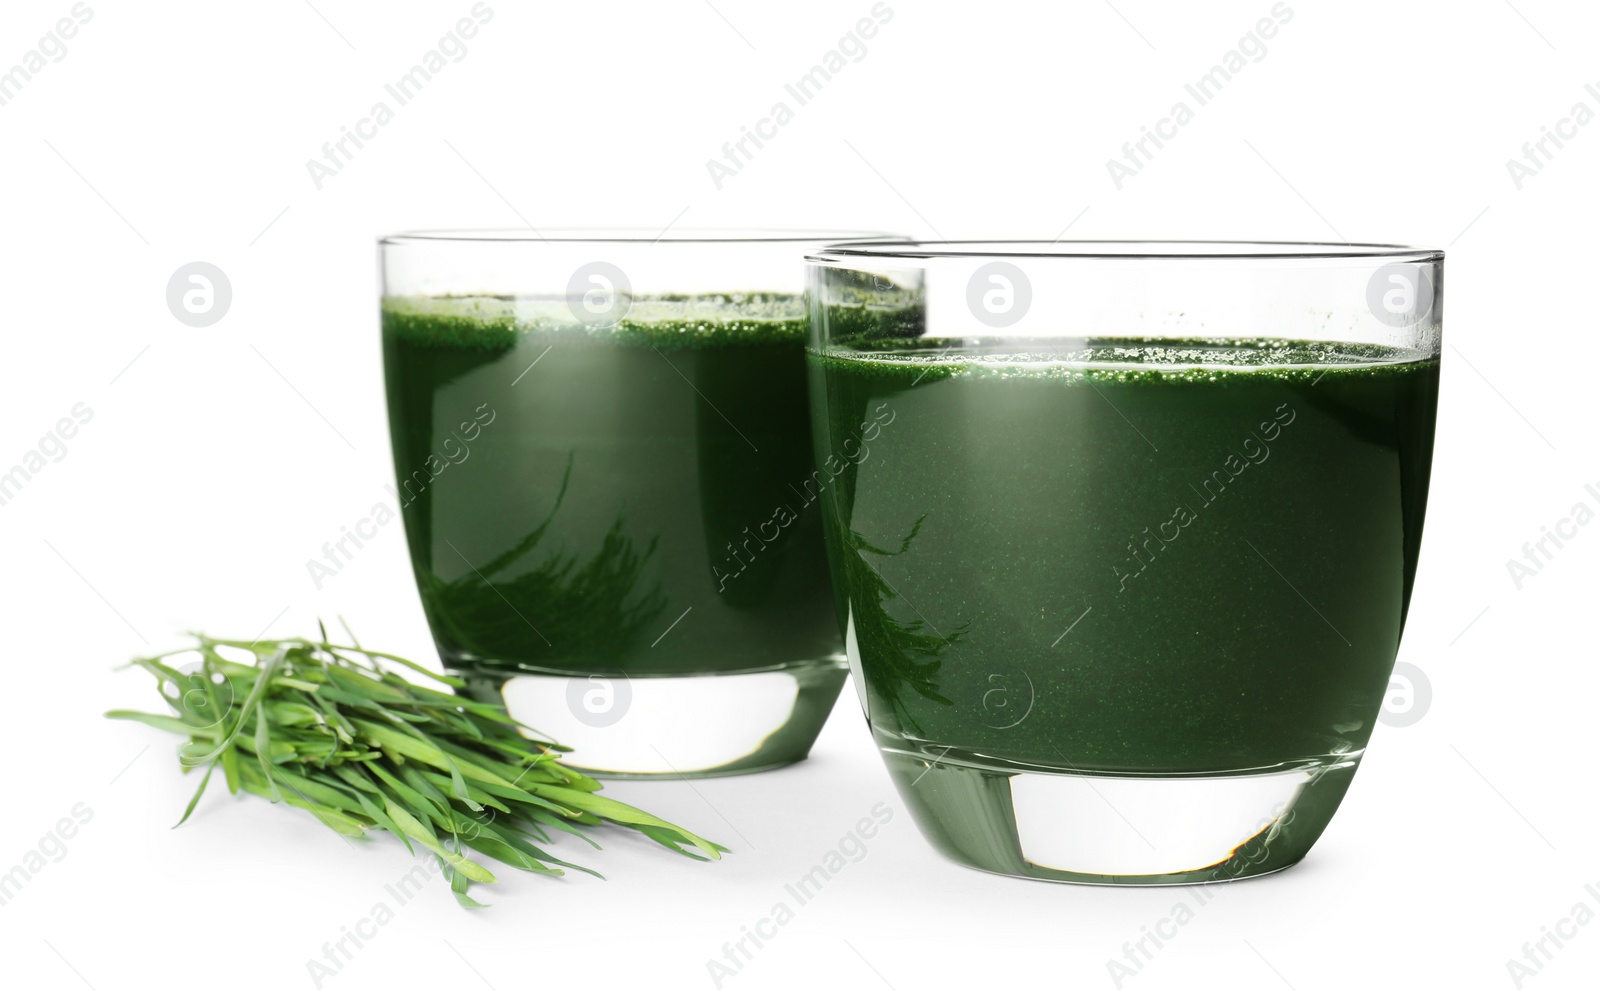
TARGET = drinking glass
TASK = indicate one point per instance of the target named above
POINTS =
(1123, 535)
(599, 439)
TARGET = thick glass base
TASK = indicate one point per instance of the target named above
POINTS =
(684, 725)
(1059, 824)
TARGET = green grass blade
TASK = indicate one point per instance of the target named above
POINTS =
(411, 827)
(197, 793)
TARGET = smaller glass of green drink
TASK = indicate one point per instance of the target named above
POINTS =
(1123, 535)
(604, 464)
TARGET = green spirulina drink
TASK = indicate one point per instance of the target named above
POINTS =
(1120, 579)
(1068, 509)
(609, 493)
(608, 519)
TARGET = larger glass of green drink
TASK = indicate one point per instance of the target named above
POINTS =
(1123, 535)
(601, 442)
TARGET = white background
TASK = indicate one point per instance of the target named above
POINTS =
(221, 459)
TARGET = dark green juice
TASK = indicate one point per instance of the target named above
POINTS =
(619, 500)
(1229, 529)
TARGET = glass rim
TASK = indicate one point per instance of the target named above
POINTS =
(635, 235)
(1133, 250)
